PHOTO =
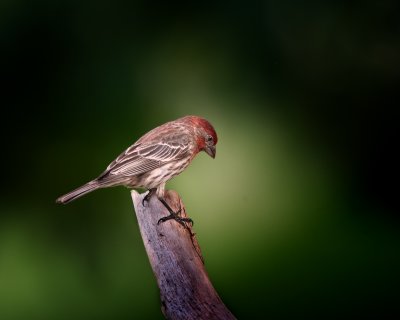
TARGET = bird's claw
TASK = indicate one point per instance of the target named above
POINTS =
(147, 197)
(175, 216)
(180, 220)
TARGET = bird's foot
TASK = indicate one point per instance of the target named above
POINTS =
(180, 220)
(175, 216)
(148, 196)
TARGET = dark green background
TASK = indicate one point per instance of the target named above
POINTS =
(298, 214)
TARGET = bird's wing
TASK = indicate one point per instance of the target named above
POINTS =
(141, 158)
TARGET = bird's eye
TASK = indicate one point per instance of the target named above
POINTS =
(209, 138)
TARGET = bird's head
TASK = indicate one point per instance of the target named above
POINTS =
(206, 136)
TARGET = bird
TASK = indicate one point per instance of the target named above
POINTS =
(158, 156)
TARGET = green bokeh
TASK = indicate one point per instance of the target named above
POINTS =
(296, 216)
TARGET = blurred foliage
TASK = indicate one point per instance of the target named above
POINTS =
(298, 214)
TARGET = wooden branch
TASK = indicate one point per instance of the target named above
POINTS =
(185, 289)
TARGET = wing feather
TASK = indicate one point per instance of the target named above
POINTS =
(141, 158)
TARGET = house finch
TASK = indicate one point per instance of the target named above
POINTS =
(155, 158)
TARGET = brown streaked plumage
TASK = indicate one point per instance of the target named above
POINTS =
(155, 158)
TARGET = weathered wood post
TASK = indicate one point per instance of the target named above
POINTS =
(186, 291)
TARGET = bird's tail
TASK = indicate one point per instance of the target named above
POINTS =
(79, 192)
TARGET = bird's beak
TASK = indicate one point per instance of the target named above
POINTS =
(211, 151)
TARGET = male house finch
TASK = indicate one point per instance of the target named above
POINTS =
(155, 158)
